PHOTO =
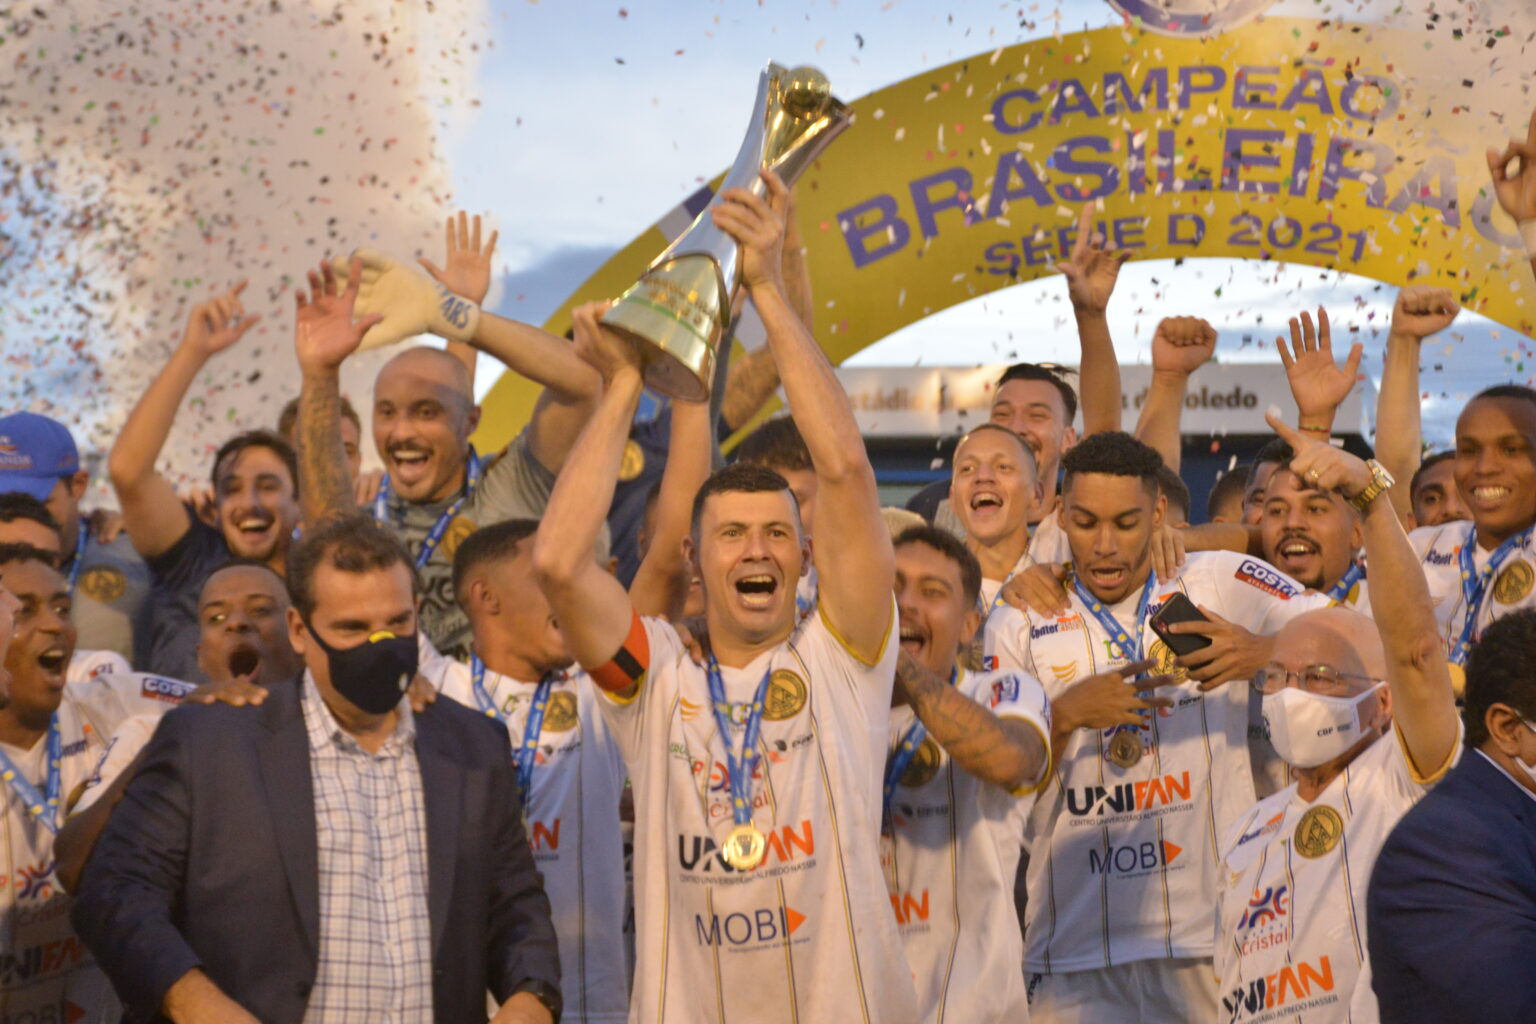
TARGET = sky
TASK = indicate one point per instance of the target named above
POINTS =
(583, 138)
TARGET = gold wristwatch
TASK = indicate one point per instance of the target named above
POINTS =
(1380, 481)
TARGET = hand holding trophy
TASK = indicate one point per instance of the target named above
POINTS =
(677, 310)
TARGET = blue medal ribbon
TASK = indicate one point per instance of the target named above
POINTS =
(82, 538)
(1474, 584)
(435, 535)
(1131, 650)
(1340, 590)
(901, 758)
(44, 808)
(526, 752)
(739, 766)
(803, 606)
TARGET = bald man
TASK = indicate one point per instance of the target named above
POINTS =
(438, 489)
(1364, 715)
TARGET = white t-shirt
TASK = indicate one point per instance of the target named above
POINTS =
(954, 854)
(1439, 549)
(137, 701)
(1290, 921)
(46, 973)
(87, 665)
(808, 935)
(1122, 864)
(573, 822)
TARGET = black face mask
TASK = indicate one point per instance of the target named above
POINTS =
(373, 675)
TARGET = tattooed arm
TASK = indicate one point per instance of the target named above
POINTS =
(324, 335)
(1005, 751)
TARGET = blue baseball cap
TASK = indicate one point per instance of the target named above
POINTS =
(35, 452)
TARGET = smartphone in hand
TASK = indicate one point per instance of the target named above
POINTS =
(1179, 608)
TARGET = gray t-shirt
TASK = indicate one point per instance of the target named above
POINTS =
(513, 485)
(110, 610)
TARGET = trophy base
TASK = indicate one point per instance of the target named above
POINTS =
(673, 313)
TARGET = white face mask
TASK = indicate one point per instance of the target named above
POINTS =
(1529, 769)
(1309, 729)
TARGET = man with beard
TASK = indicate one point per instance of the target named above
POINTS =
(1122, 858)
(437, 489)
(242, 648)
(966, 751)
(52, 734)
(255, 483)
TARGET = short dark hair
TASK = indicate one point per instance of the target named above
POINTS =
(776, 444)
(1174, 489)
(244, 563)
(1113, 453)
(951, 547)
(289, 417)
(1430, 462)
(1029, 453)
(490, 544)
(1519, 392)
(1501, 670)
(1230, 484)
(16, 505)
(1275, 452)
(746, 477)
(355, 544)
(257, 439)
(1052, 375)
(27, 553)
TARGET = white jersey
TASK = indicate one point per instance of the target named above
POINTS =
(128, 740)
(1290, 919)
(87, 665)
(46, 973)
(808, 935)
(1439, 549)
(953, 857)
(573, 825)
(1048, 543)
(136, 701)
(1123, 860)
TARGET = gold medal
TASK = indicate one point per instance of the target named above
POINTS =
(1514, 583)
(745, 847)
(1125, 749)
(1318, 832)
(1458, 678)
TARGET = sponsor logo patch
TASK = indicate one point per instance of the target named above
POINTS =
(1266, 578)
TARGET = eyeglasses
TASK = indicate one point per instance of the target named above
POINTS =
(1323, 680)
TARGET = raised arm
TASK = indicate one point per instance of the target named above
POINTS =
(1091, 272)
(1516, 191)
(324, 334)
(1181, 345)
(854, 559)
(1006, 751)
(1423, 704)
(660, 586)
(154, 516)
(466, 272)
(1318, 384)
(1418, 312)
(594, 611)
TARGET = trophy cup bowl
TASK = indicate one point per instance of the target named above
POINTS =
(677, 311)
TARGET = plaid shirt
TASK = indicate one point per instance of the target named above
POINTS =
(375, 932)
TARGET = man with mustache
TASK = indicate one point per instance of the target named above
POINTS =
(1121, 873)
(438, 489)
(255, 485)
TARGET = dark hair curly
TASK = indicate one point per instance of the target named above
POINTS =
(1113, 453)
(1501, 670)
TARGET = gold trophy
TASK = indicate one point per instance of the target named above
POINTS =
(678, 308)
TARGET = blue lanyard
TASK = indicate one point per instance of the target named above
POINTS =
(435, 535)
(739, 766)
(44, 808)
(1130, 649)
(526, 752)
(901, 757)
(804, 605)
(1340, 590)
(83, 537)
(1474, 584)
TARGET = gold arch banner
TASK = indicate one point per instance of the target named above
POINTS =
(1339, 145)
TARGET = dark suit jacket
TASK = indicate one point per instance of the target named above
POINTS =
(211, 861)
(1451, 910)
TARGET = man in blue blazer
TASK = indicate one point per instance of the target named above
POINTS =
(328, 855)
(1451, 912)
